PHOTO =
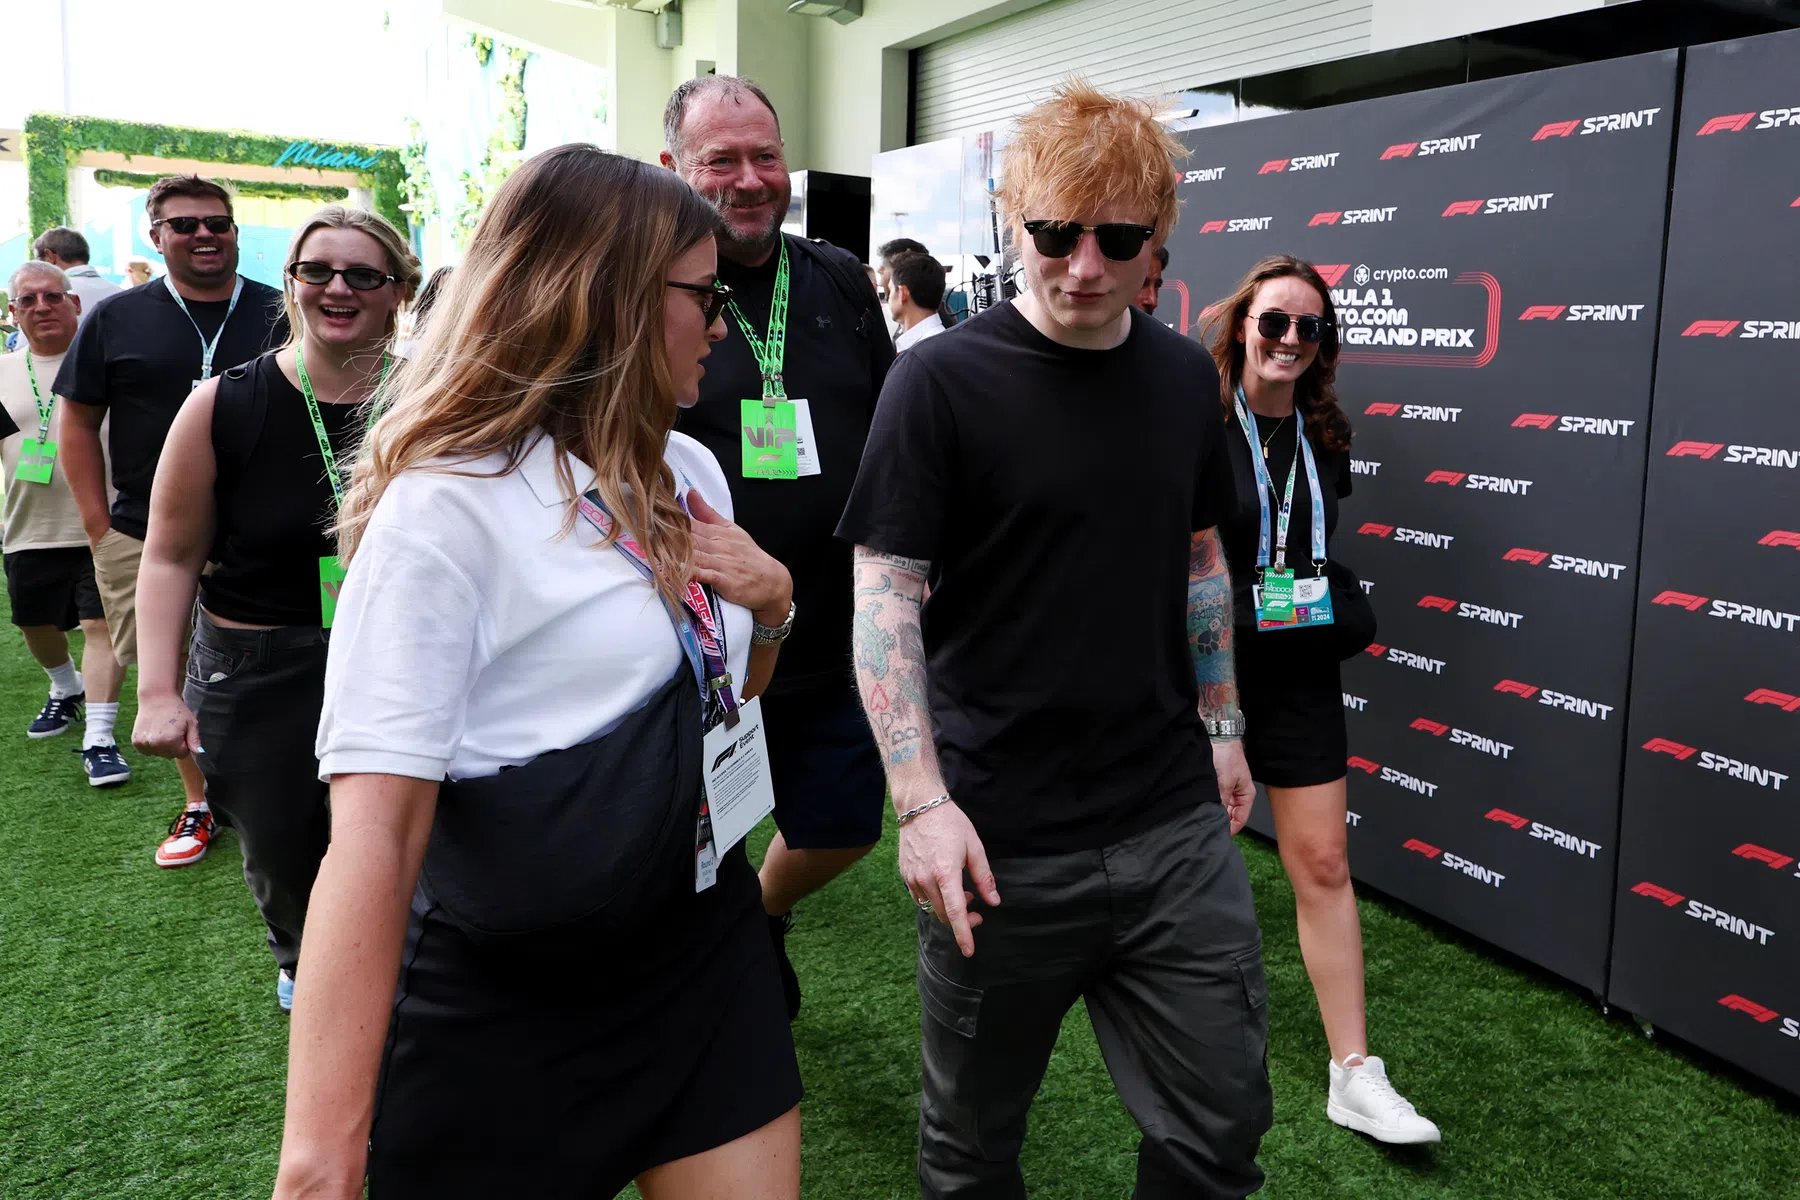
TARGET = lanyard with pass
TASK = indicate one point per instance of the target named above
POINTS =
(770, 426)
(331, 567)
(207, 349)
(37, 456)
(737, 789)
(1281, 601)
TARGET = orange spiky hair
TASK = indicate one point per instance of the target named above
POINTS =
(1082, 151)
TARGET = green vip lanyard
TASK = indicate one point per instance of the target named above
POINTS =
(37, 456)
(770, 437)
(331, 568)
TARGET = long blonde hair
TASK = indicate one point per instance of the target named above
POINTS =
(400, 261)
(554, 322)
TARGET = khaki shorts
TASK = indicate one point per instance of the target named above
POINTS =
(116, 560)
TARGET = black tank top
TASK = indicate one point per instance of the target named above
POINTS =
(272, 500)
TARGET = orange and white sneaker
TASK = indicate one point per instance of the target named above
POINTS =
(189, 835)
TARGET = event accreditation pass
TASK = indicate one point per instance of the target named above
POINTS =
(1309, 604)
(740, 790)
(778, 441)
(331, 581)
(36, 460)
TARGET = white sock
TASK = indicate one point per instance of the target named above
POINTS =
(65, 681)
(100, 720)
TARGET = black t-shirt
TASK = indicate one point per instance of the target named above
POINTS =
(1239, 532)
(272, 500)
(1055, 492)
(838, 371)
(138, 355)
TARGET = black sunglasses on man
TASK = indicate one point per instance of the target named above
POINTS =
(187, 226)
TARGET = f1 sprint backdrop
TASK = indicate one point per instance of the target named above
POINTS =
(1709, 883)
(1494, 252)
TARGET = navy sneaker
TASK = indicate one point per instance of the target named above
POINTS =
(56, 714)
(105, 766)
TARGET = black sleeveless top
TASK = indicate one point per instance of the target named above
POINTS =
(272, 501)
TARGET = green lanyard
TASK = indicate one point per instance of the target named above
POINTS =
(770, 352)
(43, 408)
(318, 423)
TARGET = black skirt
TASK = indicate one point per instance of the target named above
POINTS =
(1293, 702)
(565, 1068)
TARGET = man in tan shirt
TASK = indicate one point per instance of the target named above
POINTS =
(49, 569)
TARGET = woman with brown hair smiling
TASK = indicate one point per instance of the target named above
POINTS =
(546, 607)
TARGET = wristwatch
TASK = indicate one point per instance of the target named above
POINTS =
(1224, 727)
(772, 635)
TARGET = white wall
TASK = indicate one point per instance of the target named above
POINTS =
(1409, 22)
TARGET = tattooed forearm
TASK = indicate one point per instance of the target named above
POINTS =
(889, 651)
(1210, 626)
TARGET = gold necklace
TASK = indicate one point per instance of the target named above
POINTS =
(1272, 433)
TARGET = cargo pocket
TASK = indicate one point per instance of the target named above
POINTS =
(955, 1006)
(1255, 986)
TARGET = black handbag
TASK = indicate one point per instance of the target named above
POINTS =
(1353, 617)
(597, 838)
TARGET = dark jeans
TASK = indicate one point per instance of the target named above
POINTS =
(257, 694)
(1159, 935)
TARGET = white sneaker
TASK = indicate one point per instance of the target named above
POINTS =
(1361, 1098)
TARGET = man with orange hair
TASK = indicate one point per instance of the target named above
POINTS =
(1057, 470)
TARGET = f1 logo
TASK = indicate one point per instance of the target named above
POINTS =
(1516, 688)
(1375, 648)
(1781, 700)
(1506, 818)
(1434, 728)
(1668, 898)
(1376, 528)
(1441, 603)
(1425, 848)
(1453, 478)
(1332, 273)
(1464, 208)
(1680, 600)
(1556, 129)
(1763, 854)
(1780, 537)
(1534, 421)
(1382, 410)
(1213, 227)
(1519, 554)
(1665, 746)
(1715, 328)
(1273, 165)
(1325, 218)
(1737, 1003)
(1696, 449)
(1362, 764)
(1543, 312)
(1402, 150)
(1733, 122)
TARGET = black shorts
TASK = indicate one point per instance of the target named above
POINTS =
(52, 587)
(1293, 711)
(829, 785)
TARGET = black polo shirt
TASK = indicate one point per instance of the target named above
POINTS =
(838, 369)
(138, 356)
(1055, 492)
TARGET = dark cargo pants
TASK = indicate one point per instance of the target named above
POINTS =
(1158, 933)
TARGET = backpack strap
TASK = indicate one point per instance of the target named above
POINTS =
(240, 407)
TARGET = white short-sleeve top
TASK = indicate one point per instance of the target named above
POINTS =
(472, 634)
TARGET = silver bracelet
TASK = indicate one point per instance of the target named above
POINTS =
(1224, 727)
(772, 635)
(924, 808)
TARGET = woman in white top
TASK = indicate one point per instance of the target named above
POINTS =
(513, 720)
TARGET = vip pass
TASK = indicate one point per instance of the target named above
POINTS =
(331, 568)
(1282, 601)
(771, 427)
(37, 456)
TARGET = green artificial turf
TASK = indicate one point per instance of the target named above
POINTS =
(141, 1052)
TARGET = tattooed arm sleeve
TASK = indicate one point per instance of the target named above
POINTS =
(890, 671)
(1210, 626)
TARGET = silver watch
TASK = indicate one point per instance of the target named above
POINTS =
(772, 635)
(1224, 727)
